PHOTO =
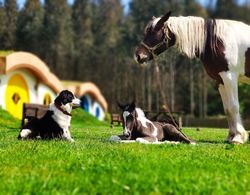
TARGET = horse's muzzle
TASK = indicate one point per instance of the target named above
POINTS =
(126, 134)
(142, 56)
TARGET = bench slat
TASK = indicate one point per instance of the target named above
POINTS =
(33, 111)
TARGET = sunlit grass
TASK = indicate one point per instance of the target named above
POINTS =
(94, 165)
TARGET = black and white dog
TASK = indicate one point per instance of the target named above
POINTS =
(56, 122)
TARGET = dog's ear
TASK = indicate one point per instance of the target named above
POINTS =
(58, 100)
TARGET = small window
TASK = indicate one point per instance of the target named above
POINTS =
(47, 99)
(16, 97)
(97, 112)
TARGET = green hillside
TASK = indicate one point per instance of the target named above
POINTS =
(8, 121)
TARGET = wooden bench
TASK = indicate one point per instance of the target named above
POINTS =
(115, 118)
(33, 111)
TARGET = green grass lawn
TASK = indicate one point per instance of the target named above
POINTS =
(93, 165)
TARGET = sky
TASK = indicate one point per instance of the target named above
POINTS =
(124, 2)
(21, 2)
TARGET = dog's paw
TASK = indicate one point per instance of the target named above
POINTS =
(25, 133)
(71, 140)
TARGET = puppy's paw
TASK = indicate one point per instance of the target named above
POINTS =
(71, 140)
(24, 133)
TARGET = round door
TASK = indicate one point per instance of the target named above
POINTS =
(17, 93)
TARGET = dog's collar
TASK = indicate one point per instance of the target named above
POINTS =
(63, 111)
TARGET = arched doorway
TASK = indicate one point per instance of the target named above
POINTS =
(17, 93)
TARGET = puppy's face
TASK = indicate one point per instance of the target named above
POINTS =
(66, 100)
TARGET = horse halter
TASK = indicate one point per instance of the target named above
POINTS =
(152, 49)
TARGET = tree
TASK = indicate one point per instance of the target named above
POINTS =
(30, 26)
(226, 9)
(2, 24)
(83, 37)
(107, 50)
(10, 20)
(58, 37)
(107, 19)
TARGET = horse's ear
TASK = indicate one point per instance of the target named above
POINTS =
(132, 105)
(153, 17)
(120, 105)
(161, 22)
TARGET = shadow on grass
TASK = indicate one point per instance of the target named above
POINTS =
(212, 142)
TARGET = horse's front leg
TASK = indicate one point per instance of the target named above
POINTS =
(146, 139)
(229, 96)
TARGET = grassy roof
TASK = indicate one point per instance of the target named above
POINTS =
(80, 118)
(5, 53)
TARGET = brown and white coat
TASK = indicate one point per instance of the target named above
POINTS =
(137, 127)
(222, 45)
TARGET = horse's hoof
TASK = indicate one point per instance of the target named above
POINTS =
(239, 138)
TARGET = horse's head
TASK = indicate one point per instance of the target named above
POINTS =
(157, 38)
(129, 118)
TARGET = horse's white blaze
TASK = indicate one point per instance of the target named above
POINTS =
(141, 117)
(125, 115)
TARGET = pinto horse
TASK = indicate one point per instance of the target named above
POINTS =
(223, 46)
(137, 127)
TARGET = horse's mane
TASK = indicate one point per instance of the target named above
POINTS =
(191, 33)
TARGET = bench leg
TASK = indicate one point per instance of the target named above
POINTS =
(112, 124)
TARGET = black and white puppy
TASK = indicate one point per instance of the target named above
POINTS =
(56, 122)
